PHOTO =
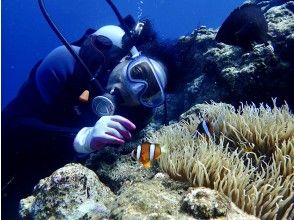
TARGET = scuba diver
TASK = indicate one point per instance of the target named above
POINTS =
(81, 97)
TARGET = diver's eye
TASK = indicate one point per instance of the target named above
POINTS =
(137, 72)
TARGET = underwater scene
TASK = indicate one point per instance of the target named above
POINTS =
(147, 110)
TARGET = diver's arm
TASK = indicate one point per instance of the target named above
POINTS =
(30, 142)
(54, 72)
(25, 131)
(29, 118)
(34, 132)
(51, 78)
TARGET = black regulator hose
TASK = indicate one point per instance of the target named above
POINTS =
(120, 18)
(93, 80)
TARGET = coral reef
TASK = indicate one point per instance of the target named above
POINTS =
(261, 129)
(71, 192)
(249, 163)
(119, 171)
(147, 200)
(264, 189)
(267, 4)
(219, 72)
(162, 198)
(206, 204)
(258, 181)
(158, 197)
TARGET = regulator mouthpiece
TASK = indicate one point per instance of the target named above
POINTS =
(103, 105)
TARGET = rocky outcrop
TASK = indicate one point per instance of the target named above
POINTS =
(152, 199)
(267, 4)
(205, 203)
(141, 197)
(120, 170)
(219, 72)
(71, 192)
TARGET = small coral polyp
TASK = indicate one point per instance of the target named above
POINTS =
(260, 180)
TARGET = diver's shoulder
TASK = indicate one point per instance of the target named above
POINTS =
(62, 51)
(59, 59)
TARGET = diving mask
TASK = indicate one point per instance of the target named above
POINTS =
(146, 79)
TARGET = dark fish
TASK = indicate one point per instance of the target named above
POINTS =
(244, 26)
(205, 128)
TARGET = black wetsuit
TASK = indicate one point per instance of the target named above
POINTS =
(39, 125)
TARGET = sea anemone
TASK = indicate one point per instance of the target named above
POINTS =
(260, 181)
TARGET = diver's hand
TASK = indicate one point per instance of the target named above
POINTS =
(113, 129)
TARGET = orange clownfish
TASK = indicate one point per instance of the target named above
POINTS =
(146, 152)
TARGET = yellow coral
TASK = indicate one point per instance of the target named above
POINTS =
(265, 189)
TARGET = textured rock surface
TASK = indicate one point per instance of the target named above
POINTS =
(267, 4)
(162, 198)
(120, 170)
(65, 195)
(219, 72)
(150, 199)
(71, 192)
(205, 203)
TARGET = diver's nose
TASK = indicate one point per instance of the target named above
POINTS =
(138, 87)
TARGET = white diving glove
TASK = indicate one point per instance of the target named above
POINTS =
(113, 129)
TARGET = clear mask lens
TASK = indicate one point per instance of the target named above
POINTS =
(141, 71)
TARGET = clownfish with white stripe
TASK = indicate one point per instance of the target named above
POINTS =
(205, 128)
(147, 152)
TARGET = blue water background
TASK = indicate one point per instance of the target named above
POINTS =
(26, 37)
